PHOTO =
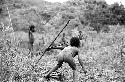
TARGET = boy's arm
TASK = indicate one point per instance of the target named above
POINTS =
(61, 48)
(81, 63)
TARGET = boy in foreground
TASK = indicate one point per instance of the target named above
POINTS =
(66, 55)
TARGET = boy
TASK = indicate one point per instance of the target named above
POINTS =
(66, 55)
(80, 35)
(31, 38)
(63, 40)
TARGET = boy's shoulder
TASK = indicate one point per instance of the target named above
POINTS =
(71, 48)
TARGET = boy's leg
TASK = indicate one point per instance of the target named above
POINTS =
(31, 50)
(75, 76)
(54, 69)
(30, 46)
(72, 64)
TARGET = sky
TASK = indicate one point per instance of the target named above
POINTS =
(108, 1)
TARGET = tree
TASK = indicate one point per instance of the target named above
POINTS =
(118, 13)
(95, 14)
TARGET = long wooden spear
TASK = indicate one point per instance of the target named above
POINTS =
(53, 41)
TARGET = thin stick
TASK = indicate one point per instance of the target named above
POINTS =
(52, 42)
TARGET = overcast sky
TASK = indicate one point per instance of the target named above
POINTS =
(108, 1)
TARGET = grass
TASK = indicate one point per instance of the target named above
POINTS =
(100, 54)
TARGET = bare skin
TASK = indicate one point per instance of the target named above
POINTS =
(31, 39)
(70, 61)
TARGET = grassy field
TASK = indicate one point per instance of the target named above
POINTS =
(101, 54)
(102, 51)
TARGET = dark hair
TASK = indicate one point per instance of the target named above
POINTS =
(74, 41)
(80, 31)
(31, 28)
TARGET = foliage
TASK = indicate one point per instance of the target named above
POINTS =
(118, 11)
(100, 52)
(99, 14)
(96, 13)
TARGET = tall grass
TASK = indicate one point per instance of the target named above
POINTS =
(101, 55)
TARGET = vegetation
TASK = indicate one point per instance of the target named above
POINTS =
(102, 49)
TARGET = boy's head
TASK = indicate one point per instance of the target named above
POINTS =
(74, 41)
(80, 32)
(63, 34)
(32, 28)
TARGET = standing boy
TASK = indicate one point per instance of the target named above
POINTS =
(31, 38)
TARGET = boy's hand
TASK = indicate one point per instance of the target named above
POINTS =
(48, 49)
(85, 72)
(47, 77)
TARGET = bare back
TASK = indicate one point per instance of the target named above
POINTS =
(69, 52)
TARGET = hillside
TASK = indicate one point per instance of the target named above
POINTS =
(102, 49)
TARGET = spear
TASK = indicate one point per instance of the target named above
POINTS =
(53, 41)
